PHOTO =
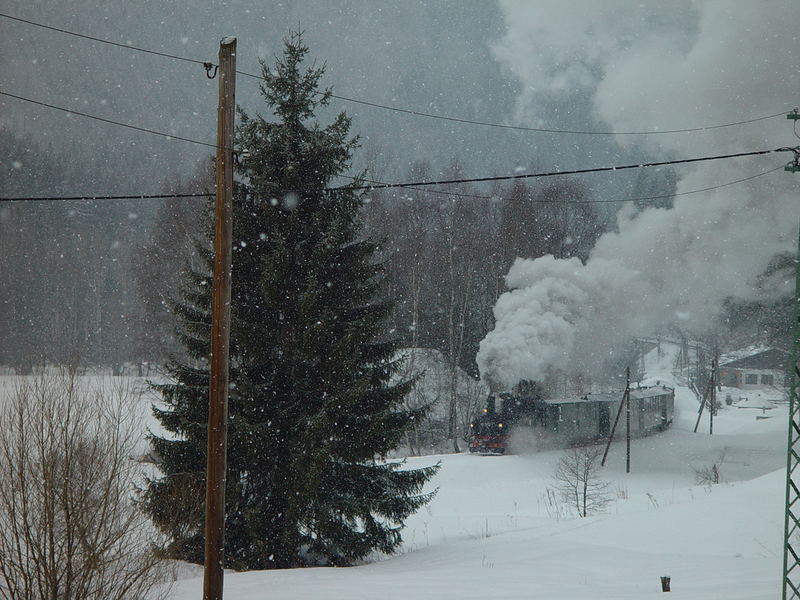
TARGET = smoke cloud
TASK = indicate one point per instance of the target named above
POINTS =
(648, 67)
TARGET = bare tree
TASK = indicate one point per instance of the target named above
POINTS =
(69, 529)
(160, 264)
(458, 229)
(710, 474)
(472, 397)
(577, 480)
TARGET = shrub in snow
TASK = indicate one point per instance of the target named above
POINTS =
(68, 525)
(578, 482)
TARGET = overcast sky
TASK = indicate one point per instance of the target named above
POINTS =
(466, 59)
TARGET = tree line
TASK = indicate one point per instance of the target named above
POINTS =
(68, 289)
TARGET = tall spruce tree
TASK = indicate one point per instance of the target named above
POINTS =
(311, 406)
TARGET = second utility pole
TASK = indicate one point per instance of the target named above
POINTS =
(624, 404)
(220, 328)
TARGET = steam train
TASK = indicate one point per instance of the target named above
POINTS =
(565, 422)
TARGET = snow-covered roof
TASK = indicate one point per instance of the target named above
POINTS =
(751, 350)
(772, 358)
(614, 396)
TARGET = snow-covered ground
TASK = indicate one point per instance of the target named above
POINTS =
(492, 532)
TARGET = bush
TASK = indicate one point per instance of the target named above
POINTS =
(577, 480)
(709, 474)
(69, 529)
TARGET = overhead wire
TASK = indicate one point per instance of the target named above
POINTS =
(407, 111)
(543, 129)
(598, 201)
(103, 41)
(419, 184)
(382, 185)
(105, 197)
(375, 185)
(427, 191)
(110, 121)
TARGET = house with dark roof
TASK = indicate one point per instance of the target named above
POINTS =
(764, 369)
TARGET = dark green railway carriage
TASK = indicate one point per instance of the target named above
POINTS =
(591, 417)
(573, 420)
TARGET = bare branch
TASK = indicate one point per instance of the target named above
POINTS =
(68, 525)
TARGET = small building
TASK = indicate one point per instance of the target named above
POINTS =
(764, 369)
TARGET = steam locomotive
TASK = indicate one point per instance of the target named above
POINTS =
(567, 422)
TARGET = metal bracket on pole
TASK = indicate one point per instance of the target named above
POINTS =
(794, 165)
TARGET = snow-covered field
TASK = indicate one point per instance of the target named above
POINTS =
(493, 532)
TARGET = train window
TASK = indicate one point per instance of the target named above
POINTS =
(766, 379)
(750, 379)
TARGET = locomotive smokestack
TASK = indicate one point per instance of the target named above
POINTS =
(494, 385)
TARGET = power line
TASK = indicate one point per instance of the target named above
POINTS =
(697, 191)
(418, 113)
(382, 185)
(427, 191)
(546, 130)
(110, 121)
(610, 201)
(102, 41)
(407, 111)
(555, 173)
(104, 197)
(375, 185)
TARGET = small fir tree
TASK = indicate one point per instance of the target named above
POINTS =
(310, 403)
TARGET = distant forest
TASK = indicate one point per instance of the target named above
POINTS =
(90, 283)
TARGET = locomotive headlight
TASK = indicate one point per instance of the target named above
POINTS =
(499, 424)
(471, 425)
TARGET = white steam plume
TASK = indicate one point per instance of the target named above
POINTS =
(669, 65)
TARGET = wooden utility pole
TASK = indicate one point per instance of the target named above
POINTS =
(625, 402)
(702, 406)
(710, 393)
(628, 420)
(712, 397)
(220, 328)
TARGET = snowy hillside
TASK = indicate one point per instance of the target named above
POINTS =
(493, 532)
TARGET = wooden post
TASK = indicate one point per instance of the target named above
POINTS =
(628, 420)
(220, 328)
(712, 397)
(616, 419)
(706, 392)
